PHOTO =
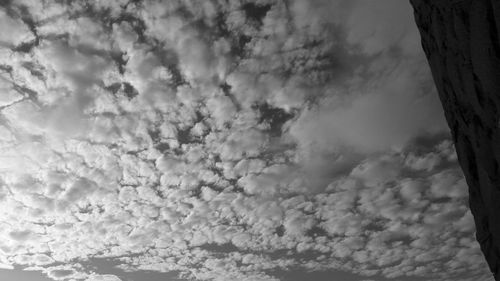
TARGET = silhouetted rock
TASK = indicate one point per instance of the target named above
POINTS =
(461, 41)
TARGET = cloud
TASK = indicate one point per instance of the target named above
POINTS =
(226, 141)
(61, 274)
(364, 120)
(105, 277)
(13, 32)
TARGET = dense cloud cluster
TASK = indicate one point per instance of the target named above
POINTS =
(225, 140)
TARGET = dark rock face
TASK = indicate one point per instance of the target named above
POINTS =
(461, 42)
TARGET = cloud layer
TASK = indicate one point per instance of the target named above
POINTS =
(225, 141)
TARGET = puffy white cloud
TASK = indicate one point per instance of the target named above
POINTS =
(448, 183)
(13, 32)
(103, 277)
(61, 272)
(226, 141)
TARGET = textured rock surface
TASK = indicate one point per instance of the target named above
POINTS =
(461, 41)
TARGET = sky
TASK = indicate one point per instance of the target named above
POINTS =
(224, 140)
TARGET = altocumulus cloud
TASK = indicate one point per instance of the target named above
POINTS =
(226, 140)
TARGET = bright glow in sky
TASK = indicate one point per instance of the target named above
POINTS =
(226, 140)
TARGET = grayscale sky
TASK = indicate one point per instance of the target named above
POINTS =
(249, 140)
